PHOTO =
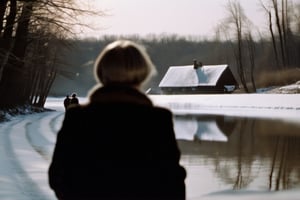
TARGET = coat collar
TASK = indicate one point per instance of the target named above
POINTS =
(118, 94)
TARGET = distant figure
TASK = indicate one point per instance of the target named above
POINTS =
(74, 100)
(119, 145)
(197, 64)
(67, 101)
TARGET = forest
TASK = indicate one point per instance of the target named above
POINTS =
(41, 56)
(77, 75)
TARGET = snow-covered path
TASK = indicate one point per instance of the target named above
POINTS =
(26, 145)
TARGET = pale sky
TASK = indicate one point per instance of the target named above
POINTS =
(182, 17)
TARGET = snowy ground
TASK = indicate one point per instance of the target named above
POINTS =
(26, 142)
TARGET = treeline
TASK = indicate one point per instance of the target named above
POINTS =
(38, 58)
(169, 51)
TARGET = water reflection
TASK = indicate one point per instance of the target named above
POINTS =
(239, 153)
(208, 127)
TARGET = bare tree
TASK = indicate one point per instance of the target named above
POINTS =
(268, 11)
(280, 30)
(284, 40)
(26, 24)
(251, 54)
(235, 21)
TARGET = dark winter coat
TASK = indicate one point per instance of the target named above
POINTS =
(118, 146)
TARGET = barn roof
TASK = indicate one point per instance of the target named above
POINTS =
(187, 76)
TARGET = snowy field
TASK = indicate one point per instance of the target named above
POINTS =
(27, 141)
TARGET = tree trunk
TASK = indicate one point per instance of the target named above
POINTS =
(251, 51)
(279, 28)
(273, 39)
(3, 4)
(7, 42)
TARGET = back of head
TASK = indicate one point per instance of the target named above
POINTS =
(123, 62)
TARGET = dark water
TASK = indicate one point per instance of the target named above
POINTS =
(221, 153)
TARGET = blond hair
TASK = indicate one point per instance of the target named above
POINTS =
(124, 62)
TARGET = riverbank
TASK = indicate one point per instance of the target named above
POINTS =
(7, 114)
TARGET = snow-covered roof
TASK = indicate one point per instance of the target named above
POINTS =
(186, 76)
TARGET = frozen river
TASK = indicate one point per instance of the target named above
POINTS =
(233, 147)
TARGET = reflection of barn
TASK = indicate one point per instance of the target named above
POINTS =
(204, 127)
(195, 79)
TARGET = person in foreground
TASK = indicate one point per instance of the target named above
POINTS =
(118, 145)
